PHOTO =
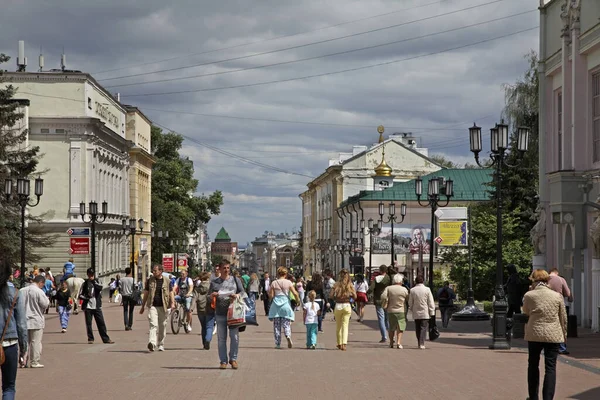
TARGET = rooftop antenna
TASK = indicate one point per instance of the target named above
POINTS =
(41, 58)
(63, 60)
(21, 59)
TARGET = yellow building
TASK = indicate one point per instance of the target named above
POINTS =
(138, 130)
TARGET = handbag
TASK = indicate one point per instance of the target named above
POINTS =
(236, 314)
(10, 312)
(434, 333)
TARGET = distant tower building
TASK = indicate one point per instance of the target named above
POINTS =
(224, 247)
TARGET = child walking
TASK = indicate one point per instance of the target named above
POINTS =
(312, 310)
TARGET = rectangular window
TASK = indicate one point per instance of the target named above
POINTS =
(44, 130)
(596, 115)
(59, 130)
(559, 124)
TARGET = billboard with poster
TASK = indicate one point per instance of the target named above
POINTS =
(407, 239)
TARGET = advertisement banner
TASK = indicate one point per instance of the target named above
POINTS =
(167, 262)
(453, 233)
(407, 239)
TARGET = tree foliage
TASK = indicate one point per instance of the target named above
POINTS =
(519, 199)
(17, 160)
(175, 207)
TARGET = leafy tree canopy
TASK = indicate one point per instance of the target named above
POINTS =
(175, 207)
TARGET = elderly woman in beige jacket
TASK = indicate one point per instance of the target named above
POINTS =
(394, 299)
(421, 303)
(545, 330)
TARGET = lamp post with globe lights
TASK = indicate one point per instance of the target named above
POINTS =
(22, 198)
(391, 218)
(499, 148)
(93, 219)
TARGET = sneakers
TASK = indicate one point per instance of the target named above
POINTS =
(422, 347)
(278, 346)
(90, 342)
(313, 347)
(109, 342)
(161, 348)
(223, 366)
(290, 343)
(150, 346)
(37, 366)
(63, 330)
(399, 346)
(234, 364)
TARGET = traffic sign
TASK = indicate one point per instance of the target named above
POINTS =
(438, 240)
(79, 245)
(167, 262)
(78, 231)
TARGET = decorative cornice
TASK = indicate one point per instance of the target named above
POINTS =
(589, 39)
(553, 62)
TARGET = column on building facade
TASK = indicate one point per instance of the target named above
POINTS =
(567, 98)
(75, 195)
(595, 239)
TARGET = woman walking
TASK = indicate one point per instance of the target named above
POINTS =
(224, 290)
(421, 303)
(316, 284)
(342, 293)
(361, 288)
(546, 329)
(13, 325)
(281, 312)
(63, 305)
(300, 290)
(394, 298)
(253, 286)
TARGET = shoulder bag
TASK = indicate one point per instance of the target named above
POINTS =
(10, 312)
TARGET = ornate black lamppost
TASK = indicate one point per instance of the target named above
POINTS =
(22, 197)
(499, 147)
(392, 218)
(435, 188)
(131, 231)
(93, 218)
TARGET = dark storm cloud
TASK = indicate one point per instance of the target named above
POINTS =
(436, 97)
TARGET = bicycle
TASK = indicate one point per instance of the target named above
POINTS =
(178, 316)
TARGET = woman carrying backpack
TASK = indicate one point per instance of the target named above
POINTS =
(446, 298)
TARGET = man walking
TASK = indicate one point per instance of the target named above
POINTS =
(36, 302)
(158, 297)
(263, 288)
(376, 288)
(446, 298)
(91, 294)
(126, 290)
(559, 285)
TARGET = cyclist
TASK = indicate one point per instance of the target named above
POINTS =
(184, 287)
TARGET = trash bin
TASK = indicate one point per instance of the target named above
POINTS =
(519, 321)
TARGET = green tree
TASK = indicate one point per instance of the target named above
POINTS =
(17, 160)
(443, 161)
(215, 259)
(516, 250)
(175, 207)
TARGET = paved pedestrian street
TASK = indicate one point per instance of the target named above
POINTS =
(457, 366)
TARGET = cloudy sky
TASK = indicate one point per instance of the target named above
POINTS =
(287, 84)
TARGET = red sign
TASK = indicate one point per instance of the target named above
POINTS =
(79, 245)
(182, 263)
(167, 262)
(438, 240)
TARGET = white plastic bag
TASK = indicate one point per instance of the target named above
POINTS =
(117, 298)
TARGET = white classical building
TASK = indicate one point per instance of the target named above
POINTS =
(80, 129)
(347, 176)
(567, 235)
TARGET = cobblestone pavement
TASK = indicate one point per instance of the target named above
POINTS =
(457, 366)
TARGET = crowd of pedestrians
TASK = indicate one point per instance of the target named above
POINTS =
(24, 310)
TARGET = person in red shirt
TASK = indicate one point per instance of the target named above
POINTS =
(559, 285)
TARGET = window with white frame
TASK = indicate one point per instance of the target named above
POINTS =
(596, 116)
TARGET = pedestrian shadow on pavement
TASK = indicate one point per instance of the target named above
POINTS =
(592, 394)
(192, 368)
(128, 351)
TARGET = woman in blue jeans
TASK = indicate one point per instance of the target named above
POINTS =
(14, 330)
(230, 288)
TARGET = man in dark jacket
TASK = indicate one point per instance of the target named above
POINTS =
(377, 287)
(91, 294)
(513, 291)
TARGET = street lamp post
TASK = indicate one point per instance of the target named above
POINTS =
(372, 230)
(392, 218)
(94, 218)
(435, 188)
(499, 147)
(23, 190)
(131, 230)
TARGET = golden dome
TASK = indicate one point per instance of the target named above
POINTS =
(383, 169)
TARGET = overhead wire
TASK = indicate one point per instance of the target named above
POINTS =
(247, 85)
(303, 45)
(271, 39)
(324, 55)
